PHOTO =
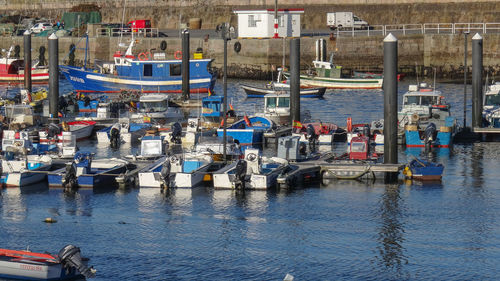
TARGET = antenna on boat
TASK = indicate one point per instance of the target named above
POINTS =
(123, 18)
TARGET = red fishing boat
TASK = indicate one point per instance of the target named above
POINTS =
(12, 70)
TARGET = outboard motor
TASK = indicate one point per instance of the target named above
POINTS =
(311, 137)
(430, 135)
(176, 133)
(114, 135)
(165, 175)
(240, 173)
(70, 182)
(70, 257)
(53, 130)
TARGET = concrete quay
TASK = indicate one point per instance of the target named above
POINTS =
(258, 58)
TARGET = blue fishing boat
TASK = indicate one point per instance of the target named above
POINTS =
(85, 172)
(142, 72)
(248, 131)
(424, 170)
(425, 119)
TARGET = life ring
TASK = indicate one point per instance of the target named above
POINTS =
(178, 55)
(247, 121)
(144, 56)
(163, 45)
(349, 124)
(237, 47)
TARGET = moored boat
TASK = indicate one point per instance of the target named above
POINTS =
(258, 92)
(86, 172)
(491, 106)
(141, 72)
(12, 70)
(252, 172)
(424, 119)
(27, 265)
(419, 169)
(248, 131)
(328, 75)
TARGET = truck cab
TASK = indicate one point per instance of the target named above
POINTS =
(135, 25)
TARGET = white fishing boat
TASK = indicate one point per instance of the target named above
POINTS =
(20, 168)
(329, 75)
(491, 106)
(252, 172)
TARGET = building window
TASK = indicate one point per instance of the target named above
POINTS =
(251, 21)
(281, 21)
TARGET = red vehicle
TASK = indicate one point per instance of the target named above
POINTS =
(136, 25)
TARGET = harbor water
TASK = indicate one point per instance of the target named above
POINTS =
(336, 230)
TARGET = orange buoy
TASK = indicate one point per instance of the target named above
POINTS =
(178, 55)
(143, 56)
(247, 121)
(349, 124)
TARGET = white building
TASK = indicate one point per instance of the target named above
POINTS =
(260, 23)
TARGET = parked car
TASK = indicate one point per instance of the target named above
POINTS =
(41, 26)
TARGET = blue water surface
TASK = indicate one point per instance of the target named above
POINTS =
(337, 230)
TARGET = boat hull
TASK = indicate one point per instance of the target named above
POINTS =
(88, 81)
(256, 92)
(443, 139)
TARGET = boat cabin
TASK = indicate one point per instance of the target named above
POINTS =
(359, 148)
(277, 104)
(491, 106)
(423, 103)
(492, 96)
(153, 103)
(212, 106)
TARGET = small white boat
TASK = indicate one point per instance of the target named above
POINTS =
(79, 129)
(252, 172)
(28, 265)
(20, 169)
(128, 132)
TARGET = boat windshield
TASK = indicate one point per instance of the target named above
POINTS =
(420, 100)
(358, 147)
(273, 102)
(153, 106)
(492, 100)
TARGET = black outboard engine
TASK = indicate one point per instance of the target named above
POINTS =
(114, 135)
(53, 130)
(430, 135)
(311, 137)
(70, 257)
(240, 173)
(165, 175)
(70, 181)
(176, 133)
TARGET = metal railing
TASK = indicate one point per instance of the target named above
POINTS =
(116, 32)
(426, 28)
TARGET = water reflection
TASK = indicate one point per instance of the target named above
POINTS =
(13, 205)
(391, 252)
